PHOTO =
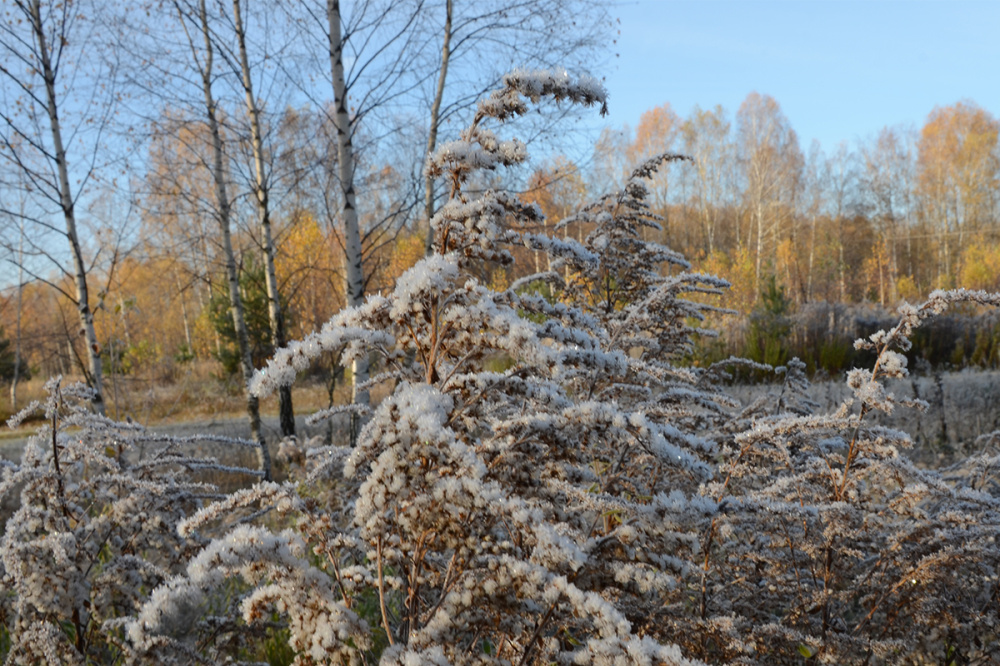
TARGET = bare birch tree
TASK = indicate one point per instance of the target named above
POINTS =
(387, 56)
(886, 165)
(354, 273)
(44, 71)
(378, 40)
(705, 137)
(262, 193)
(17, 326)
(770, 157)
(841, 177)
(196, 18)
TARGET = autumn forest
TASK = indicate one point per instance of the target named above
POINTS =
(871, 221)
(889, 218)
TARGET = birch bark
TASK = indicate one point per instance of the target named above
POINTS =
(224, 215)
(354, 275)
(94, 375)
(262, 194)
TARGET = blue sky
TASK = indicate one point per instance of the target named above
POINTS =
(840, 70)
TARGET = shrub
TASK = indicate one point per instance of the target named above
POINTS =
(770, 325)
(498, 517)
(828, 542)
(255, 305)
(7, 357)
(96, 527)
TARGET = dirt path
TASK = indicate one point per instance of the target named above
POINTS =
(12, 443)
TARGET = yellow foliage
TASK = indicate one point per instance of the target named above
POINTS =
(908, 289)
(141, 315)
(309, 273)
(878, 274)
(981, 267)
(958, 175)
(499, 280)
(738, 268)
(407, 251)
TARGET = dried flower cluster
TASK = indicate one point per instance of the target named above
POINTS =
(96, 528)
(594, 503)
(830, 544)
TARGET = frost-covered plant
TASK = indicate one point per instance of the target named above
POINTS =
(595, 503)
(639, 291)
(174, 627)
(492, 519)
(95, 528)
(830, 544)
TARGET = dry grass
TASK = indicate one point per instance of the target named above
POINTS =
(197, 395)
(962, 406)
(195, 403)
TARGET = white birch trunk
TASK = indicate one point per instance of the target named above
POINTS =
(184, 315)
(235, 300)
(354, 288)
(262, 190)
(94, 374)
(17, 329)
(435, 120)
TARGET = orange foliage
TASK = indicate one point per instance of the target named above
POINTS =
(958, 158)
(309, 273)
(557, 189)
(656, 133)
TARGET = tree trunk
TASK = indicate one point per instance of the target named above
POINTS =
(17, 329)
(703, 207)
(262, 191)
(881, 280)
(67, 205)
(236, 302)
(760, 249)
(354, 288)
(124, 313)
(812, 257)
(435, 119)
(841, 266)
(893, 264)
(184, 316)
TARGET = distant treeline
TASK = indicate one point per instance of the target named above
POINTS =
(823, 334)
